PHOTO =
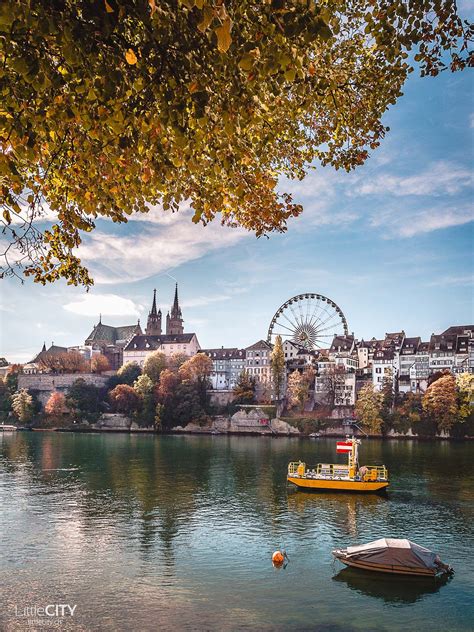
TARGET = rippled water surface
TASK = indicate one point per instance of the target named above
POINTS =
(177, 532)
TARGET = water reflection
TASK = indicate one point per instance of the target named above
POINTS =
(391, 589)
(346, 510)
(163, 531)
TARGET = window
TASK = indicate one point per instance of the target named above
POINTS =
(378, 370)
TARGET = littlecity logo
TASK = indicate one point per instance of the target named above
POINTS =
(51, 614)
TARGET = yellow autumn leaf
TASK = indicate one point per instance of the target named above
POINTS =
(108, 8)
(224, 39)
(131, 57)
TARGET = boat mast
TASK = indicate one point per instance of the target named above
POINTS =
(353, 457)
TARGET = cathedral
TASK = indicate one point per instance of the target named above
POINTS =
(174, 340)
(174, 318)
(128, 343)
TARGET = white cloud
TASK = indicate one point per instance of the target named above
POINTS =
(407, 222)
(105, 304)
(440, 178)
(320, 195)
(453, 280)
(161, 245)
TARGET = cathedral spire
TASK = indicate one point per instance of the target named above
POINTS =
(44, 347)
(175, 308)
(174, 320)
(153, 307)
(153, 327)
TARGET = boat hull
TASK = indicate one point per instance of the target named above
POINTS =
(392, 569)
(317, 485)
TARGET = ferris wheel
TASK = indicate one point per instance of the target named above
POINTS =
(309, 320)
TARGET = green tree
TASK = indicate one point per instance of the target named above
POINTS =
(388, 395)
(244, 390)
(110, 106)
(85, 399)
(441, 402)
(127, 374)
(5, 401)
(11, 378)
(145, 389)
(154, 365)
(368, 408)
(22, 405)
(465, 389)
(187, 406)
(277, 360)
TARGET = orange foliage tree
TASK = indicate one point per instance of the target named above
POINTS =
(440, 402)
(56, 405)
(125, 399)
(99, 363)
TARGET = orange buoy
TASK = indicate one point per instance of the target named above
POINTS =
(278, 558)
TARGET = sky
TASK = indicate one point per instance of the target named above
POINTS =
(391, 243)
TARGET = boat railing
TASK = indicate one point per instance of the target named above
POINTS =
(298, 469)
(375, 473)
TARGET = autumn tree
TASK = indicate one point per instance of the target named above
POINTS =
(197, 370)
(277, 362)
(108, 107)
(56, 407)
(22, 405)
(244, 389)
(299, 387)
(368, 408)
(411, 408)
(465, 390)
(169, 380)
(333, 379)
(11, 378)
(63, 362)
(124, 399)
(441, 403)
(175, 360)
(154, 365)
(99, 363)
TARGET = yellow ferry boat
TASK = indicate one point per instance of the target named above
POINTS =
(340, 477)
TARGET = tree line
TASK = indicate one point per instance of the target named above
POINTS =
(166, 392)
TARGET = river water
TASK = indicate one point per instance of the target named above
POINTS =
(177, 532)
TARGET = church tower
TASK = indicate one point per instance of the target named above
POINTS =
(174, 320)
(153, 326)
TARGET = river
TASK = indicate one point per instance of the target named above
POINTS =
(177, 532)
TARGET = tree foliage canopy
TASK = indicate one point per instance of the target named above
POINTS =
(109, 106)
(368, 408)
(441, 402)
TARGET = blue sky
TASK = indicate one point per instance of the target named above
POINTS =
(391, 244)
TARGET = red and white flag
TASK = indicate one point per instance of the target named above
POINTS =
(344, 446)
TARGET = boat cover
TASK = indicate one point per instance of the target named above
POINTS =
(394, 552)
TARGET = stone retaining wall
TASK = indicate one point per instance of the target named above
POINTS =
(45, 383)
